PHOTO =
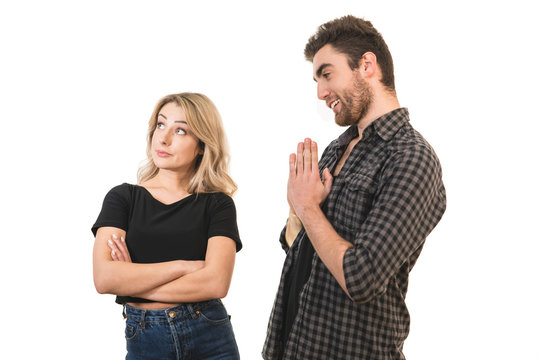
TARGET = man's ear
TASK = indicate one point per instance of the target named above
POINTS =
(367, 65)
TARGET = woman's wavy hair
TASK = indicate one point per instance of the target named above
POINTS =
(204, 121)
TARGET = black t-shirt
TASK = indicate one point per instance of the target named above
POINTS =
(156, 232)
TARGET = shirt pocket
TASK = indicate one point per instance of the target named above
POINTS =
(355, 202)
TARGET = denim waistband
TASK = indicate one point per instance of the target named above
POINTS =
(179, 311)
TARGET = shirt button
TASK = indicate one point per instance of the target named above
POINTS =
(172, 314)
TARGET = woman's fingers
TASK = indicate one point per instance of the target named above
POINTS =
(114, 250)
(117, 249)
(121, 248)
(125, 249)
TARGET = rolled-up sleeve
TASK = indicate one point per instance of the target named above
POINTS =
(410, 200)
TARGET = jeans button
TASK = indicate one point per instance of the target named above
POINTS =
(172, 314)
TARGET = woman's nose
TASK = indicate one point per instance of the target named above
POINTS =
(165, 138)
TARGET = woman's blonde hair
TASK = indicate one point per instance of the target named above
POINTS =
(204, 121)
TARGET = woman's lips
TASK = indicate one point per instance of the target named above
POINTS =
(162, 153)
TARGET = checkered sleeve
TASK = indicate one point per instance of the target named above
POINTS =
(283, 240)
(408, 203)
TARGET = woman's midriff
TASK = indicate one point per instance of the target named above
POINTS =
(152, 305)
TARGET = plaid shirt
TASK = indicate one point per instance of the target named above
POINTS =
(386, 199)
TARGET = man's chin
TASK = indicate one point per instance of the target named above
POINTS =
(344, 121)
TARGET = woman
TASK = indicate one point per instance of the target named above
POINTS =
(166, 247)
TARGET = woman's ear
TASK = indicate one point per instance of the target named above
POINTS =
(201, 147)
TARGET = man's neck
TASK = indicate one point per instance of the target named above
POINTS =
(383, 103)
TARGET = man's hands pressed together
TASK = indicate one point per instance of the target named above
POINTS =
(305, 189)
(306, 192)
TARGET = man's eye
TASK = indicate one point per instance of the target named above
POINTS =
(326, 75)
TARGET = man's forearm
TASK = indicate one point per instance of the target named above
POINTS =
(327, 243)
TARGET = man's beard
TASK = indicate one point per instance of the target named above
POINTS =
(355, 103)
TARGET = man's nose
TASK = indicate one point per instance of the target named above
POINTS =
(322, 91)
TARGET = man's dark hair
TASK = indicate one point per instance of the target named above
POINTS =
(353, 37)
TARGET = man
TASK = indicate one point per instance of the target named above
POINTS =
(357, 227)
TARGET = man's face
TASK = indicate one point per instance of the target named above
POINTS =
(344, 90)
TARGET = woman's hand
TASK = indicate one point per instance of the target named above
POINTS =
(116, 273)
(119, 250)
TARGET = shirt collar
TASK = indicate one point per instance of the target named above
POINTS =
(385, 126)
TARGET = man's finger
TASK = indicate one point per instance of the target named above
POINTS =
(292, 165)
(327, 180)
(314, 158)
(300, 158)
(307, 154)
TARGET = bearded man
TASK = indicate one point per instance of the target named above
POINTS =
(359, 217)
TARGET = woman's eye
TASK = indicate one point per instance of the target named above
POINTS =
(180, 131)
(160, 125)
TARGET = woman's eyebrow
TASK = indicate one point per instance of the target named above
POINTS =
(177, 121)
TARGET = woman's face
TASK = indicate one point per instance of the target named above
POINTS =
(174, 147)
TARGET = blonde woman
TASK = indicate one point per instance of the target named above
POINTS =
(166, 246)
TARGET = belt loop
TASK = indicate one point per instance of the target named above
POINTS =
(194, 313)
(141, 321)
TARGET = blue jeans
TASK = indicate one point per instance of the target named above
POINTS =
(189, 331)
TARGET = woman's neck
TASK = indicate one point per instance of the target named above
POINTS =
(171, 180)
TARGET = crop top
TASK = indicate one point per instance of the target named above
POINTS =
(157, 232)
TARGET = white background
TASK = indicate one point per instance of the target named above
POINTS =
(78, 82)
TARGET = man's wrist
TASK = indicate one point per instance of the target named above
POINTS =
(306, 213)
